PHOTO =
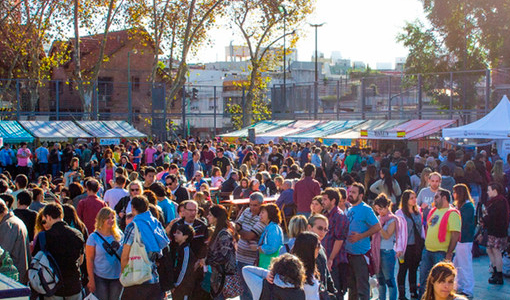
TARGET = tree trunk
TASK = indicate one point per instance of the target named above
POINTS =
(250, 96)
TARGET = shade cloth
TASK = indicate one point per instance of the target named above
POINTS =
(281, 132)
(260, 127)
(54, 130)
(110, 129)
(355, 132)
(322, 130)
(13, 133)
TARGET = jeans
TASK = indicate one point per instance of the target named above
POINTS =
(386, 276)
(43, 169)
(357, 280)
(107, 289)
(428, 260)
(246, 294)
(463, 261)
(339, 276)
(55, 168)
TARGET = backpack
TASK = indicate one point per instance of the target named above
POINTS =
(43, 273)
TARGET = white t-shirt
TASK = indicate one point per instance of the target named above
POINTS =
(112, 196)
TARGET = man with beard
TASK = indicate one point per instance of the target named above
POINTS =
(444, 225)
(363, 223)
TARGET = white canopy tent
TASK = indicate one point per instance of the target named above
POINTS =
(494, 126)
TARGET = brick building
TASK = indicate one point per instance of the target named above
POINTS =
(111, 96)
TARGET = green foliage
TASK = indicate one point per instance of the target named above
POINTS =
(453, 43)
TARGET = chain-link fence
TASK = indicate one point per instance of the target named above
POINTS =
(465, 96)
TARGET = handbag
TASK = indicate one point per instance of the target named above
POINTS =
(265, 259)
(138, 269)
(418, 241)
(233, 286)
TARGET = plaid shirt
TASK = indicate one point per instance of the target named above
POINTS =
(337, 230)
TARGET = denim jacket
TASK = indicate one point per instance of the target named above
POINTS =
(271, 239)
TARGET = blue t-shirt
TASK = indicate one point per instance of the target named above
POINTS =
(136, 153)
(42, 155)
(105, 265)
(361, 218)
(168, 209)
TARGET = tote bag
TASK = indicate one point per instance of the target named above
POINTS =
(138, 269)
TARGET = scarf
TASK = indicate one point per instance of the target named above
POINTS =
(443, 225)
(400, 238)
(152, 232)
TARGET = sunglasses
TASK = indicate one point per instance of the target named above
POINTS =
(135, 190)
(323, 229)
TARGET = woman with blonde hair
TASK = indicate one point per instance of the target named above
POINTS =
(103, 256)
(297, 224)
(441, 283)
(463, 259)
(498, 175)
(424, 179)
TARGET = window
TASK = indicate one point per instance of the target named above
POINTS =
(135, 84)
(105, 89)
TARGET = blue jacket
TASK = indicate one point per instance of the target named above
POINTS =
(271, 239)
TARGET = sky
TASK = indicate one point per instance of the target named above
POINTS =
(361, 30)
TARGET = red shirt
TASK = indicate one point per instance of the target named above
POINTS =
(304, 191)
(88, 209)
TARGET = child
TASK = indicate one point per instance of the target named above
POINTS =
(184, 263)
(216, 178)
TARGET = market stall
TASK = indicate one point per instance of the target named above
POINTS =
(11, 132)
(281, 132)
(494, 128)
(260, 127)
(54, 131)
(322, 130)
(110, 132)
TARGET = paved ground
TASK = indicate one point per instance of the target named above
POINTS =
(483, 290)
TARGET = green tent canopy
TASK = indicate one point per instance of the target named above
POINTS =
(13, 133)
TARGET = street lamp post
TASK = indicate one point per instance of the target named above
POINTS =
(284, 11)
(316, 93)
(130, 101)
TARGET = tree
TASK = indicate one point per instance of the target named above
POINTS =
(261, 24)
(450, 44)
(177, 28)
(25, 26)
(85, 13)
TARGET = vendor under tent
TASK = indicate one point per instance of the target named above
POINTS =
(11, 132)
(110, 129)
(494, 126)
(54, 131)
(260, 127)
(346, 137)
(281, 132)
(322, 130)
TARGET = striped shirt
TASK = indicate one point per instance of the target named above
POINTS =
(248, 222)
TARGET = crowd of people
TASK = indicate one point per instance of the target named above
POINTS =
(151, 221)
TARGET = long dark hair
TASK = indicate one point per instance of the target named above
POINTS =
(371, 174)
(72, 219)
(388, 180)
(404, 204)
(463, 194)
(222, 222)
(304, 248)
